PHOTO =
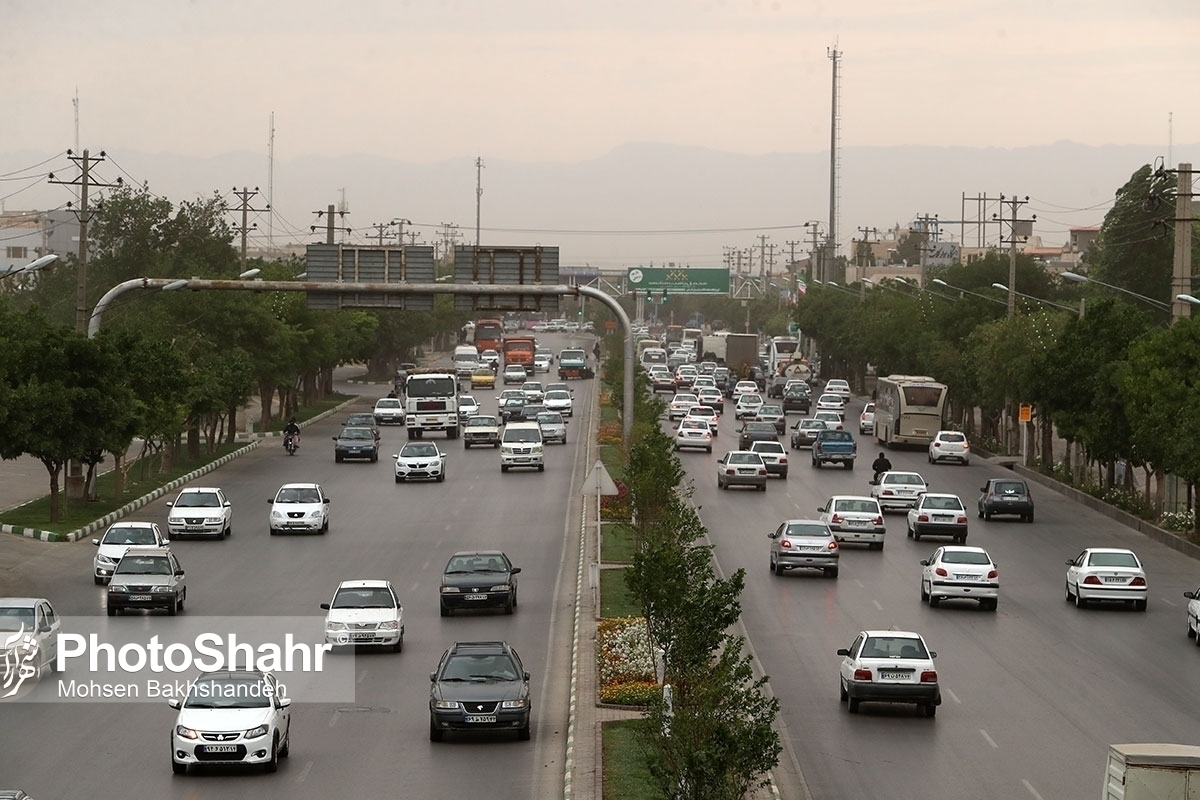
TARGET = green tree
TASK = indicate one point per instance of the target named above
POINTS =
(1135, 246)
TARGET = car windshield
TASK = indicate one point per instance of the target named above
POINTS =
(549, 418)
(357, 433)
(768, 447)
(475, 563)
(419, 450)
(144, 565)
(572, 355)
(298, 495)
(485, 371)
(951, 437)
(745, 458)
(229, 693)
(693, 424)
(812, 424)
(514, 369)
(198, 500)
(479, 669)
(760, 427)
(906, 478)
(965, 557)
(1112, 560)
(943, 503)
(807, 529)
(768, 411)
(894, 647)
(481, 422)
(467, 402)
(130, 536)
(684, 398)
(12, 619)
(360, 419)
(856, 506)
(522, 435)
(836, 436)
(388, 403)
(558, 394)
(366, 597)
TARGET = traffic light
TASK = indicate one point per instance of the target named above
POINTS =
(664, 295)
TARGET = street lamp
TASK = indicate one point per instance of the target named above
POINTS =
(248, 274)
(1074, 278)
(32, 266)
(942, 283)
(1004, 288)
(1187, 298)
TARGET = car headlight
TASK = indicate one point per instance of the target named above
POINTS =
(316, 513)
(254, 733)
(276, 515)
(186, 733)
(335, 626)
(447, 704)
(106, 560)
(513, 703)
(450, 590)
(389, 625)
(499, 587)
(160, 589)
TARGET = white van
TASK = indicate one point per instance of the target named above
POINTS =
(466, 359)
(654, 355)
(521, 445)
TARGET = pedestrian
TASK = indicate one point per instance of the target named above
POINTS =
(596, 351)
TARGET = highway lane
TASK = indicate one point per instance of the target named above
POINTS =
(1033, 693)
(377, 744)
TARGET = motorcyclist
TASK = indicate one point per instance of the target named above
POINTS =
(291, 431)
(881, 465)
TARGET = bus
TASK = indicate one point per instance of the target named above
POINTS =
(781, 350)
(488, 334)
(908, 409)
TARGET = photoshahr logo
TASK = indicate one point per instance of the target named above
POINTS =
(19, 664)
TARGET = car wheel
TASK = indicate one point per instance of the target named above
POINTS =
(992, 604)
(1079, 601)
(286, 749)
(541, 467)
(979, 511)
(762, 487)
(176, 767)
(933, 600)
(929, 709)
(924, 594)
(495, 445)
(1197, 640)
(1140, 605)
(112, 611)
(508, 605)
(182, 599)
(504, 467)
(842, 695)
(325, 526)
(435, 733)
(173, 609)
(849, 464)
(987, 515)
(398, 647)
(779, 568)
(337, 459)
(441, 478)
(1191, 634)
(961, 539)
(273, 764)
(1029, 517)
(908, 531)
(853, 706)
(445, 612)
(831, 572)
(96, 579)
(719, 484)
(398, 480)
(229, 529)
(708, 450)
(523, 732)
(783, 475)
(1069, 596)
(815, 464)
(773, 569)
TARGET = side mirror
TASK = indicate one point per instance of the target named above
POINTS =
(432, 677)
(284, 702)
(178, 573)
(933, 654)
(843, 651)
(773, 535)
(96, 542)
(170, 504)
(1070, 562)
(525, 675)
(1190, 595)
(821, 509)
(514, 570)
(327, 500)
(333, 437)
(227, 504)
(983, 488)
(325, 606)
(175, 703)
(270, 499)
(924, 562)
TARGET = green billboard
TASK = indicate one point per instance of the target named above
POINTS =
(677, 280)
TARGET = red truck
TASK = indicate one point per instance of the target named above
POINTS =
(520, 350)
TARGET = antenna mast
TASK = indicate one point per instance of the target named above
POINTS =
(827, 263)
(75, 103)
(271, 186)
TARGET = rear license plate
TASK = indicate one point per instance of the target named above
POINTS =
(475, 597)
(481, 718)
(966, 577)
(1113, 579)
(893, 676)
(139, 598)
(856, 523)
(745, 472)
(942, 518)
(220, 748)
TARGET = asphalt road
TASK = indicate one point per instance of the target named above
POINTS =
(1033, 694)
(377, 745)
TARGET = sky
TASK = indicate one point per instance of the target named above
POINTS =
(568, 80)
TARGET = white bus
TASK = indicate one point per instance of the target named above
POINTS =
(908, 409)
(781, 349)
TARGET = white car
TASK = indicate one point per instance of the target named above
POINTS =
(744, 387)
(938, 515)
(832, 419)
(680, 404)
(747, 405)
(832, 402)
(773, 455)
(120, 538)
(694, 432)
(365, 613)
(855, 519)
(706, 413)
(532, 391)
(804, 432)
(960, 572)
(388, 410)
(741, 468)
(1107, 573)
(703, 381)
(420, 461)
(866, 420)
(231, 717)
(1193, 615)
(299, 508)
(468, 407)
(554, 427)
(541, 362)
(711, 397)
(200, 511)
(29, 629)
(559, 400)
(950, 446)
(491, 358)
(889, 667)
(514, 373)
(839, 387)
(896, 489)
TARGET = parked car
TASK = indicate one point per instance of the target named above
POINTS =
(960, 572)
(1006, 496)
(937, 515)
(804, 544)
(250, 725)
(365, 613)
(150, 578)
(355, 443)
(200, 511)
(856, 519)
(420, 461)
(299, 508)
(1104, 574)
(479, 686)
(889, 667)
(474, 579)
(950, 446)
(741, 468)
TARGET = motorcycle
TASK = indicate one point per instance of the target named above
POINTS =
(290, 443)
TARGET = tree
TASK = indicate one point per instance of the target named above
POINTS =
(1135, 246)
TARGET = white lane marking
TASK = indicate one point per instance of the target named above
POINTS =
(413, 588)
(425, 566)
(878, 604)
(989, 739)
(361, 676)
(953, 696)
(304, 772)
(1032, 790)
(1165, 600)
(860, 583)
(334, 719)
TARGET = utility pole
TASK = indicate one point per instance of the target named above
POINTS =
(244, 195)
(1181, 280)
(762, 254)
(831, 240)
(478, 196)
(380, 229)
(929, 228)
(329, 213)
(1019, 230)
(85, 163)
(412, 237)
(400, 232)
(815, 253)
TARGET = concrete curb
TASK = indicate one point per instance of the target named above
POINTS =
(305, 424)
(254, 440)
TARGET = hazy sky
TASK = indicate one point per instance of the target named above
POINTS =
(566, 80)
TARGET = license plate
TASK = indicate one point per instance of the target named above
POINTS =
(1009, 497)
(359, 636)
(966, 577)
(193, 530)
(220, 748)
(475, 597)
(942, 518)
(856, 523)
(139, 598)
(893, 676)
(483, 718)
(745, 472)
(1114, 579)
(813, 549)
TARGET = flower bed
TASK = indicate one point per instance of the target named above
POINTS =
(624, 662)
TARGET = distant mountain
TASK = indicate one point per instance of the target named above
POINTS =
(646, 201)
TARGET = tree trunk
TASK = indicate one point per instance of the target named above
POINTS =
(232, 415)
(53, 469)
(193, 441)
(1048, 442)
(1160, 490)
(266, 393)
(118, 476)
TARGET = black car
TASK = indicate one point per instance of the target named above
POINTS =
(529, 413)
(479, 579)
(757, 432)
(355, 443)
(1006, 496)
(797, 400)
(512, 409)
(479, 686)
(363, 420)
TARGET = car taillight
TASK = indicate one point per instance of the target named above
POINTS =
(962, 520)
(1092, 580)
(887, 491)
(993, 574)
(836, 519)
(940, 572)
(782, 461)
(966, 445)
(762, 472)
(922, 518)
(785, 544)
(1138, 582)
(862, 674)
(937, 444)
(991, 495)
(832, 545)
(928, 676)
(878, 520)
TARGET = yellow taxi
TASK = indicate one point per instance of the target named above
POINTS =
(482, 377)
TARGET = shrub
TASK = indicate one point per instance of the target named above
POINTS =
(633, 693)
(625, 662)
(1179, 521)
(1130, 501)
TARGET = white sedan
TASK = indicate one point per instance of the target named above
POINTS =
(950, 446)
(693, 433)
(960, 572)
(421, 461)
(1193, 615)
(938, 515)
(365, 613)
(251, 718)
(840, 388)
(1106, 573)
(706, 413)
(388, 410)
(558, 400)
(680, 404)
(896, 489)
(889, 667)
(747, 405)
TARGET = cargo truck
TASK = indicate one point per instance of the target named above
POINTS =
(741, 353)
(1151, 772)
